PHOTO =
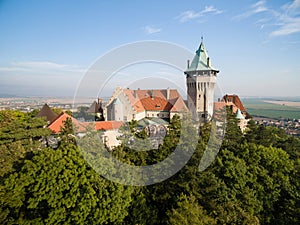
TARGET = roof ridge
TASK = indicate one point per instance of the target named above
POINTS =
(56, 118)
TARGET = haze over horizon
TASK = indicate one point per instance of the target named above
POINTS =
(47, 46)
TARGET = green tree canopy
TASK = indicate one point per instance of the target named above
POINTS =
(188, 211)
(19, 133)
(58, 186)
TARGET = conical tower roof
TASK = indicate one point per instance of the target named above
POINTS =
(93, 108)
(47, 112)
(239, 115)
(201, 60)
(96, 107)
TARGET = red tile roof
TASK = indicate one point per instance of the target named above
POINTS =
(235, 100)
(155, 100)
(221, 105)
(179, 106)
(57, 123)
(156, 104)
(105, 125)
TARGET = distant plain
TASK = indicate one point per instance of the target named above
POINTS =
(273, 108)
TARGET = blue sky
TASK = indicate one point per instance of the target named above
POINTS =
(47, 46)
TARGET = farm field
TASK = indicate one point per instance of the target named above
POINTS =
(277, 109)
(284, 103)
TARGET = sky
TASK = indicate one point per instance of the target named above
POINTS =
(47, 47)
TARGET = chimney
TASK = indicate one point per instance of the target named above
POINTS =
(188, 64)
(168, 94)
(226, 98)
(134, 93)
(152, 94)
(208, 63)
(98, 106)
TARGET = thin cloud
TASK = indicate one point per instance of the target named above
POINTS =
(12, 69)
(211, 9)
(284, 21)
(151, 30)
(39, 78)
(289, 19)
(40, 66)
(292, 7)
(191, 15)
(290, 26)
(258, 7)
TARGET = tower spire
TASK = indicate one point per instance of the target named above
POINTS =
(201, 60)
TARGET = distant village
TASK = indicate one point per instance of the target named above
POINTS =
(152, 109)
(291, 126)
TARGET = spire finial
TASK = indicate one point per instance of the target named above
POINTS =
(202, 38)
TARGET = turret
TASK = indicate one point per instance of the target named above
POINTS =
(201, 78)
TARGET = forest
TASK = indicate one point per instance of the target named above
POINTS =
(254, 178)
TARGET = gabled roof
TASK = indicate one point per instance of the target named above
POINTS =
(57, 123)
(156, 104)
(201, 60)
(134, 99)
(179, 106)
(155, 100)
(235, 100)
(222, 105)
(95, 107)
(236, 105)
(47, 112)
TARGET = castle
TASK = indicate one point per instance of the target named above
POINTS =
(154, 108)
(201, 77)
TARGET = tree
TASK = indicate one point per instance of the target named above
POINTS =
(57, 110)
(254, 178)
(66, 132)
(20, 133)
(233, 136)
(58, 186)
(81, 113)
(188, 211)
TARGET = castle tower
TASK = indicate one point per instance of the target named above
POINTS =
(201, 78)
